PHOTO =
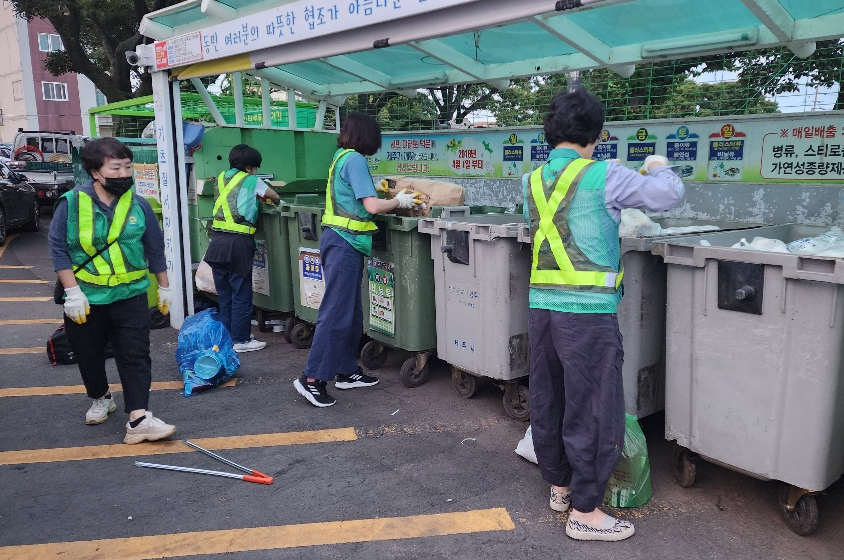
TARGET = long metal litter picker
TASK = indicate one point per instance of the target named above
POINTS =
(252, 476)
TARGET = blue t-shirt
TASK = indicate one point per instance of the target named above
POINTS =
(251, 187)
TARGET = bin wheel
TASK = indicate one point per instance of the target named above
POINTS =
(262, 316)
(373, 355)
(411, 376)
(685, 466)
(157, 320)
(289, 323)
(465, 384)
(302, 335)
(517, 402)
(803, 519)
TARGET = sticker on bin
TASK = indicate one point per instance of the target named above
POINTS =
(381, 296)
(260, 278)
(311, 283)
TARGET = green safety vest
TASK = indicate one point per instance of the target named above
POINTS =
(340, 219)
(564, 266)
(120, 272)
(226, 216)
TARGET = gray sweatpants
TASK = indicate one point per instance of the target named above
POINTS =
(576, 400)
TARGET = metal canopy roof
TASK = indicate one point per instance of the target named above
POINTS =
(446, 42)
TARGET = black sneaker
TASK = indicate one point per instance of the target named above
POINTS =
(314, 391)
(356, 379)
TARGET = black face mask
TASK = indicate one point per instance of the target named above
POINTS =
(117, 185)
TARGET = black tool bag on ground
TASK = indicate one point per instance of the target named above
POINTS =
(59, 350)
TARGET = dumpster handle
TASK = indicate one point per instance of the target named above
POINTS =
(705, 283)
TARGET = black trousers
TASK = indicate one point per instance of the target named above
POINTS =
(576, 400)
(126, 324)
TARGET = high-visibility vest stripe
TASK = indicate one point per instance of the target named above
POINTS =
(565, 274)
(227, 196)
(341, 219)
(116, 272)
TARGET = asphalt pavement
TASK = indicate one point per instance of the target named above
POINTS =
(388, 472)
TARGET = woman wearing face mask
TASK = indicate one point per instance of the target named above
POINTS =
(103, 240)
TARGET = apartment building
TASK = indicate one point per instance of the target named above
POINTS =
(30, 97)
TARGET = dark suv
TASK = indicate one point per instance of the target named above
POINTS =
(18, 204)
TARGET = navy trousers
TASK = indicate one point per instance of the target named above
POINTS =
(576, 400)
(234, 297)
(340, 319)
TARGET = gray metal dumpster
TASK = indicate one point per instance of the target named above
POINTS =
(481, 275)
(641, 316)
(755, 368)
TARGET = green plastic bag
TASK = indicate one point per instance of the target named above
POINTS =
(630, 484)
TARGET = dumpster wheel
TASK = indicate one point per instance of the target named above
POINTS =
(263, 317)
(517, 402)
(373, 355)
(685, 466)
(465, 384)
(411, 374)
(799, 508)
(302, 335)
(289, 323)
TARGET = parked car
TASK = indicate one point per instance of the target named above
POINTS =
(5, 153)
(45, 158)
(19, 206)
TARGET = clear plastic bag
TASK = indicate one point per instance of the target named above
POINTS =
(205, 354)
(635, 223)
(525, 447)
(630, 484)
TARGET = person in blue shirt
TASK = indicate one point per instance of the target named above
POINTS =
(350, 203)
(576, 396)
(232, 245)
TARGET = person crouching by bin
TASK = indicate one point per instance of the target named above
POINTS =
(576, 397)
(350, 202)
(232, 246)
(103, 239)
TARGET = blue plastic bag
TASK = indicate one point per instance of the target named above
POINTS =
(205, 354)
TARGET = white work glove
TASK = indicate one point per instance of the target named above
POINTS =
(654, 161)
(408, 200)
(165, 298)
(76, 305)
(382, 188)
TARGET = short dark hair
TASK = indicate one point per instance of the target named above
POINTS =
(575, 117)
(360, 132)
(95, 152)
(243, 156)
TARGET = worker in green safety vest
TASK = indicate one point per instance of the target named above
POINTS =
(350, 202)
(232, 245)
(103, 240)
(576, 396)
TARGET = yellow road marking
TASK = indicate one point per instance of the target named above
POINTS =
(23, 281)
(31, 322)
(166, 447)
(80, 389)
(22, 350)
(10, 266)
(8, 242)
(26, 299)
(269, 538)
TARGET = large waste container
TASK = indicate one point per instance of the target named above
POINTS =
(641, 315)
(481, 275)
(303, 217)
(755, 368)
(398, 292)
(272, 288)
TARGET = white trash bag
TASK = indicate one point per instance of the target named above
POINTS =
(635, 223)
(525, 447)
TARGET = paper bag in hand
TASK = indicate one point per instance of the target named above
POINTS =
(434, 193)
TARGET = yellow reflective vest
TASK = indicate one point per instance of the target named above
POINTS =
(226, 216)
(557, 260)
(338, 218)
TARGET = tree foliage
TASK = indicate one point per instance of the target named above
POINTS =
(96, 34)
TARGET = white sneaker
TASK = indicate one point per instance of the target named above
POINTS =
(100, 409)
(559, 501)
(249, 346)
(150, 429)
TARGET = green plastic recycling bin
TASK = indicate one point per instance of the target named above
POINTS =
(303, 217)
(272, 288)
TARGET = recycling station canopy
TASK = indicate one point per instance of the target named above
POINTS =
(326, 50)
(333, 48)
